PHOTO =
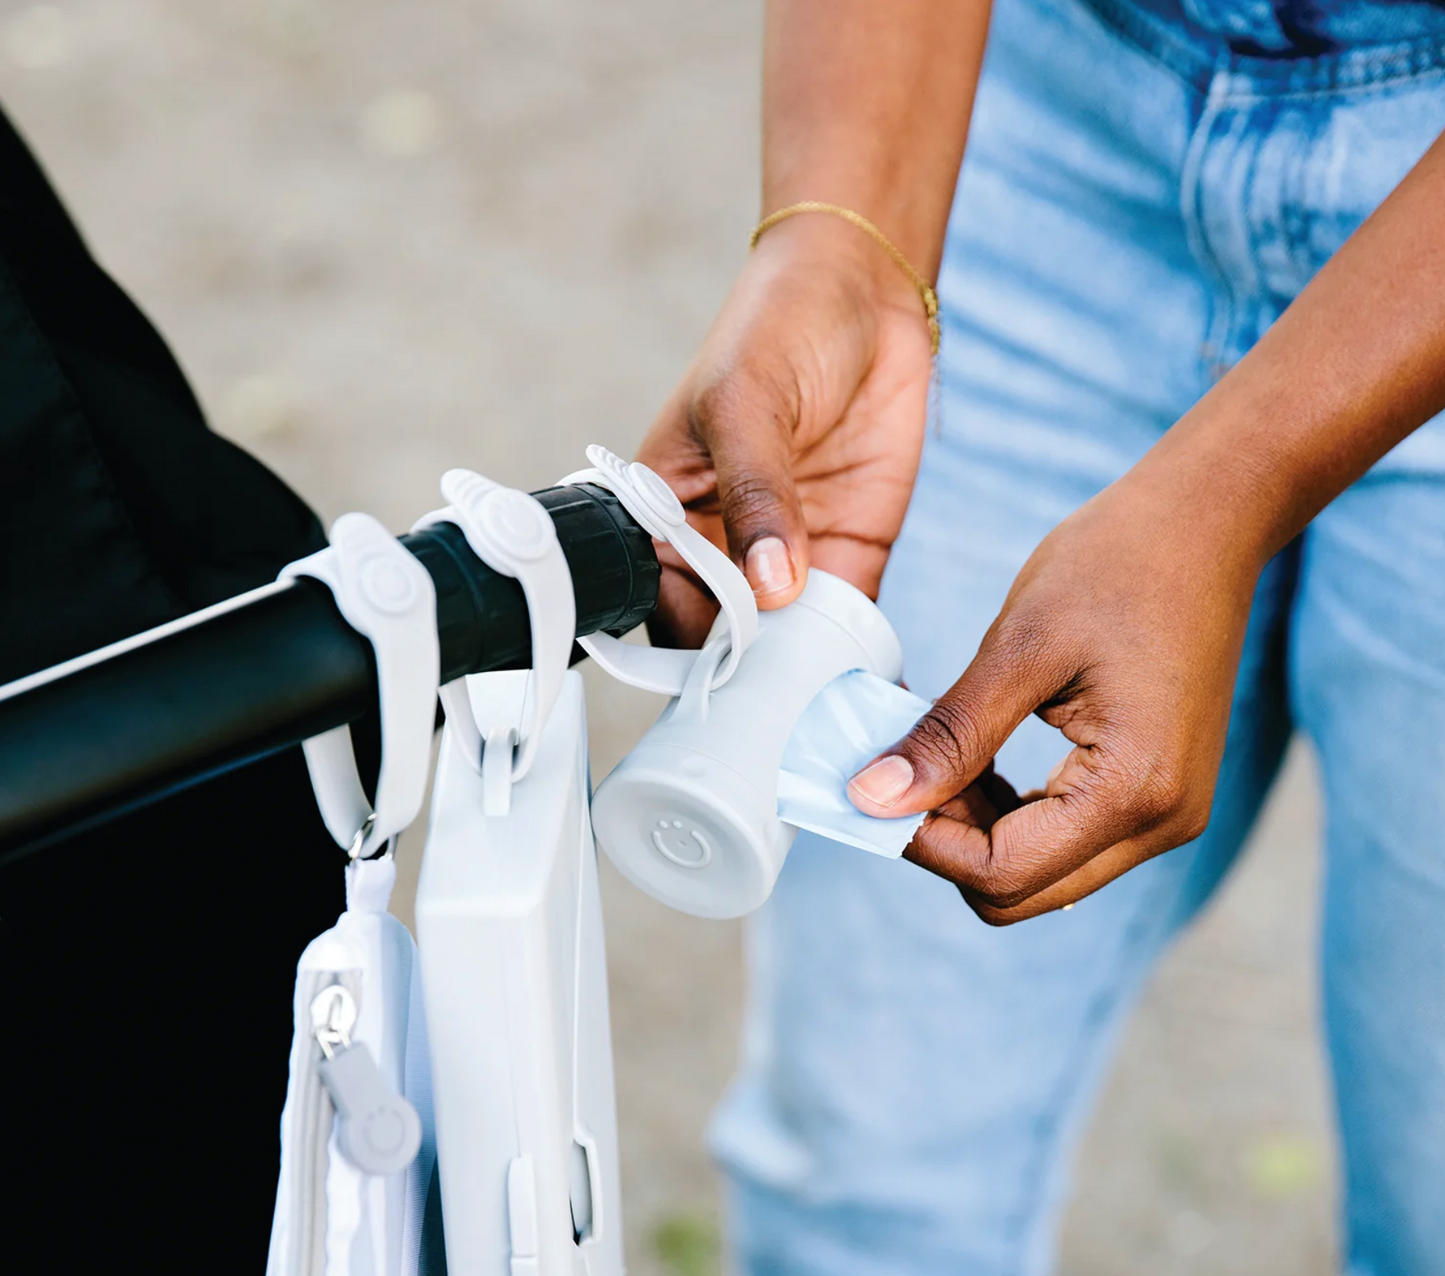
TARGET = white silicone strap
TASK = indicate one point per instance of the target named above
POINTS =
(386, 595)
(656, 508)
(514, 535)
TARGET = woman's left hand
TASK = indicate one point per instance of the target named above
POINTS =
(1124, 631)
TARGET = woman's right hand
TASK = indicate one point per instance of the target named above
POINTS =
(794, 437)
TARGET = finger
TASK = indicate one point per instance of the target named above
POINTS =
(1068, 891)
(1098, 818)
(983, 802)
(955, 741)
(677, 455)
(1003, 796)
(746, 420)
(973, 807)
(957, 832)
(685, 607)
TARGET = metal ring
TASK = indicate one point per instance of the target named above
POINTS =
(359, 840)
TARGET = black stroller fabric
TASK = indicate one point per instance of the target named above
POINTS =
(145, 966)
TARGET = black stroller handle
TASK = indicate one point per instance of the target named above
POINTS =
(110, 731)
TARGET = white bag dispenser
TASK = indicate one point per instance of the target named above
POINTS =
(691, 814)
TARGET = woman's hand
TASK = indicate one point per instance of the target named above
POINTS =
(794, 438)
(1124, 631)
(1124, 628)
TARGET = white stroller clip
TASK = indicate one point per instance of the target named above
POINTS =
(514, 536)
(387, 596)
(655, 506)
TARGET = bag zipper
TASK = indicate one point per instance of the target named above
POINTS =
(333, 1010)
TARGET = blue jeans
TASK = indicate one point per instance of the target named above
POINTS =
(1135, 210)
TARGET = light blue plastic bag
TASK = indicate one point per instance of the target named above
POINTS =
(853, 719)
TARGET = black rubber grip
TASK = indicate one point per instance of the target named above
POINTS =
(135, 726)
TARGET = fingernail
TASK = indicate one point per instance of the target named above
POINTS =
(885, 781)
(769, 566)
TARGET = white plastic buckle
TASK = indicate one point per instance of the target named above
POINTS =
(385, 594)
(514, 535)
(656, 508)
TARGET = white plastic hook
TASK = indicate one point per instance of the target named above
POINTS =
(385, 594)
(655, 506)
(514, 535)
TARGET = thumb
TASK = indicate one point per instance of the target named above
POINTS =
(747, 427)
(954, 742)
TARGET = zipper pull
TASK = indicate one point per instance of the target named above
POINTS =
(380, 1132)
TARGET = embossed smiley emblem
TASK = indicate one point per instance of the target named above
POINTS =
(682, 844)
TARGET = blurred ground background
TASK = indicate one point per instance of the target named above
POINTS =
(387, 238)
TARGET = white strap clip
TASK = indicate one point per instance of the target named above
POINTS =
(512, 534)
(385, 594)
(655, 506)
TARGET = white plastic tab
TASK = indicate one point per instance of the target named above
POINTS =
(584, 1188)
(379, 1131)
(385, 594)
(522, 1207)
(514, 535)
(655, 506)
(497, 753)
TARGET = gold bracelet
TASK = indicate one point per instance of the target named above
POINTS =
(925, 290)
